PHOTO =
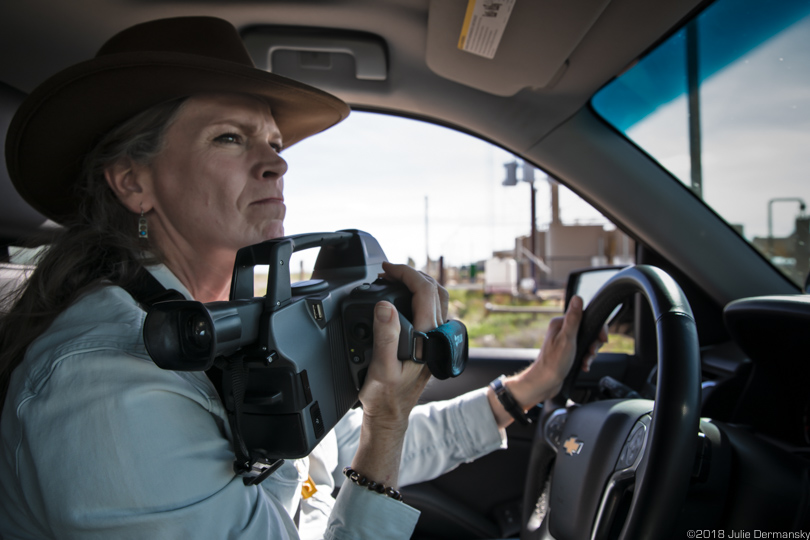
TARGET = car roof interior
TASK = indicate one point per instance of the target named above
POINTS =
(400, 57)
(578, 51)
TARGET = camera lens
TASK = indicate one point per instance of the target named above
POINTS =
(199, 331)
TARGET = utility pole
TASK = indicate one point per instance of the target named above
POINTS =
(427, 248)
(693, 84)
(528, 176)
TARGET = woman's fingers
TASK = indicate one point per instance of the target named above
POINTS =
(392, 387)
(386, 330)
(430, 301)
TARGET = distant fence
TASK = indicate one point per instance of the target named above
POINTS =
(496, 308)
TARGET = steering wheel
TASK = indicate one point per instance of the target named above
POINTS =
(620, 465)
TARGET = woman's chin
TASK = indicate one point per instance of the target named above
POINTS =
(261, 234)
(275, 230)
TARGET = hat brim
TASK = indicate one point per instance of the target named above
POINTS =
(64, 117)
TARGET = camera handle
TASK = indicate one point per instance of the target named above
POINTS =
(276, 254)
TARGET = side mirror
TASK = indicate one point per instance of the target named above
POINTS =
(586, 282)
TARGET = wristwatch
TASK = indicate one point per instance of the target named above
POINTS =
(508, 401)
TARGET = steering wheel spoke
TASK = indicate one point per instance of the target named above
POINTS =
(553, 428)
(621, 483)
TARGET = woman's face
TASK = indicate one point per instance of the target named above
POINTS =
(218, 182)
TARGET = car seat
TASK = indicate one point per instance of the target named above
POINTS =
(18, 221)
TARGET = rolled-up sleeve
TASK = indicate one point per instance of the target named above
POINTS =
(373, 516)
(441, 435)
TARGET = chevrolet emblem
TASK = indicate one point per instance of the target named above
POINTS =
(572, 446)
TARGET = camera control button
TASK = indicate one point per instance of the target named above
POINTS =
(362, 331)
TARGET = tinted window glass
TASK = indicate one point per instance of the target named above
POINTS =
(724, 105)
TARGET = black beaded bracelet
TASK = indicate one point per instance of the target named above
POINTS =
(362, 481)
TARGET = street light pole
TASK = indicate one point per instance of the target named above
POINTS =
(528, 177)
(427, 248)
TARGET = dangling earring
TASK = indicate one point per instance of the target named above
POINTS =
(143, 227)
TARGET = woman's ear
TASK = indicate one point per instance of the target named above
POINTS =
(130, 183)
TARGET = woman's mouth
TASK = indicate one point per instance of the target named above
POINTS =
(269, 200)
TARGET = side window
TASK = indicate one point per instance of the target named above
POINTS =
(457, 208)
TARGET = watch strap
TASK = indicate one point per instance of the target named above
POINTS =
(508, 401)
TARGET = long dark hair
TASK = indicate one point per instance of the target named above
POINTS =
(100, 245)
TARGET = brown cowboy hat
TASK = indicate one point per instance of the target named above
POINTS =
(142, 66)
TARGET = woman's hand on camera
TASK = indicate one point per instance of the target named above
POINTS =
(430, 300)
(392, 387)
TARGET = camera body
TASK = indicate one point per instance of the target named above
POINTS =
(294, 360)
(358, 319)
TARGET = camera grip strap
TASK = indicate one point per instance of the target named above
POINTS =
(445, 350)
(252, 468)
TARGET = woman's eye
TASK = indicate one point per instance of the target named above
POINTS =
(229, 138)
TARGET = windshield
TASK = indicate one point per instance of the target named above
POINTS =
(724, 106)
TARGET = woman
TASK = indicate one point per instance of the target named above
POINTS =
(97, 442)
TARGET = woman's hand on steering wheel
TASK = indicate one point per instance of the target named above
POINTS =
(544, 378)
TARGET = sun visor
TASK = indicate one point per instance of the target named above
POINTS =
(504, 46)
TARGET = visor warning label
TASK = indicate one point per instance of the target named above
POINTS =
(483, 26)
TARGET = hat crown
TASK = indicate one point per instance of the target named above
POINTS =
(200, 36)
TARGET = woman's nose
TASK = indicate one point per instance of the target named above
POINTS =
(272, 165)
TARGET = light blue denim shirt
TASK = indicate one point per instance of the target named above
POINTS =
(98, 442)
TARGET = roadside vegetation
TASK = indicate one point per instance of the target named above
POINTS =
(486, 328)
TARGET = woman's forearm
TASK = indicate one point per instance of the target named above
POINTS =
(379, 453)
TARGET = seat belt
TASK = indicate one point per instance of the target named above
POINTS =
(147, 290)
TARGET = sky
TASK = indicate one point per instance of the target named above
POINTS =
(755, 118)
(374, 173)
